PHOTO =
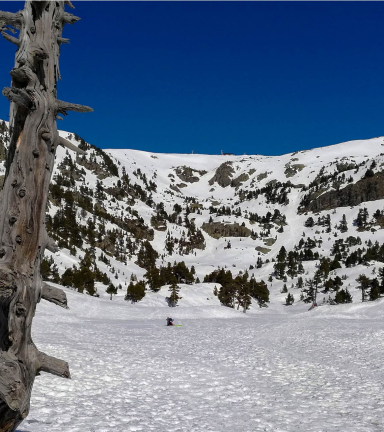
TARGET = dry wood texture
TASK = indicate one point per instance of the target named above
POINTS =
(30, 160)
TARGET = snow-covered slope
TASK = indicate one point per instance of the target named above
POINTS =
(191, 208)
(221, 371)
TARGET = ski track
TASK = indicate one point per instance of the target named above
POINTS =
(263, 372)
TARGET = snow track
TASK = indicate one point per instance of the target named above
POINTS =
(266, 371)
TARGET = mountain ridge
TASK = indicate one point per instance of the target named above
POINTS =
(210, 212)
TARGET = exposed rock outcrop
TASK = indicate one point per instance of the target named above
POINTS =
(292, 169)
(262, 176)
(187, 174)
(238, 181)
(220, 229)
(263, 250)
(223, 175)
(366, 189)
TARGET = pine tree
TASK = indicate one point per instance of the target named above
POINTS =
(154, 279)
(182, 273)
(82, 278)
(343, 296)
(135, 291)
(364, 284)
(243, 296)
(289, 299)
(374, 292)
(334, 264)
(300, 269)
(343, 227)
(279, 269)
(381, 276)
(292, 265)
(324, 268)
(362, 218)
(282, 255)
(111, 290)
(309, 223)
(49, 270)
(146, 258)
(369, 173)
(259, 291)
(174, 289)
(227, 294)
(309, 291)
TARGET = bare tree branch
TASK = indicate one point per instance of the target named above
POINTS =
(52, 365)
(61, 40)
(65, 143)
(69, 3)
(51, 245)
(24, 75)
(62, 107)
(69, 18)
(10, 18)
(10, 38)
(18, 96)
(54, 295)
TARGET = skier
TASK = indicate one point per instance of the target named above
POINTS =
(169, 321)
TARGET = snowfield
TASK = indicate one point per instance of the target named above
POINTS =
(281, 369)
(276, 369)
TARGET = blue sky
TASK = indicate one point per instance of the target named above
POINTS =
(242, 77)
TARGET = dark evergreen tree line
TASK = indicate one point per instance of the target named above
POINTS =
(239, 290)
(274, 193)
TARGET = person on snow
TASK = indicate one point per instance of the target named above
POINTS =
(169, 321)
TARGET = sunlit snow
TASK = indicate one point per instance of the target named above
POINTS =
(276, 369)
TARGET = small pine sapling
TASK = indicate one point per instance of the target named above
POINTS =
(289, 299)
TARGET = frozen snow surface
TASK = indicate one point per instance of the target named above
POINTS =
(222, 371)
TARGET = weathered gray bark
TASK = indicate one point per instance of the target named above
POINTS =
(54, 295)
(23, 237)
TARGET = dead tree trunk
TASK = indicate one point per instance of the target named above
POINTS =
(23, 236)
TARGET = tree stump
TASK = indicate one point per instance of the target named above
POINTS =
(30, 160)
